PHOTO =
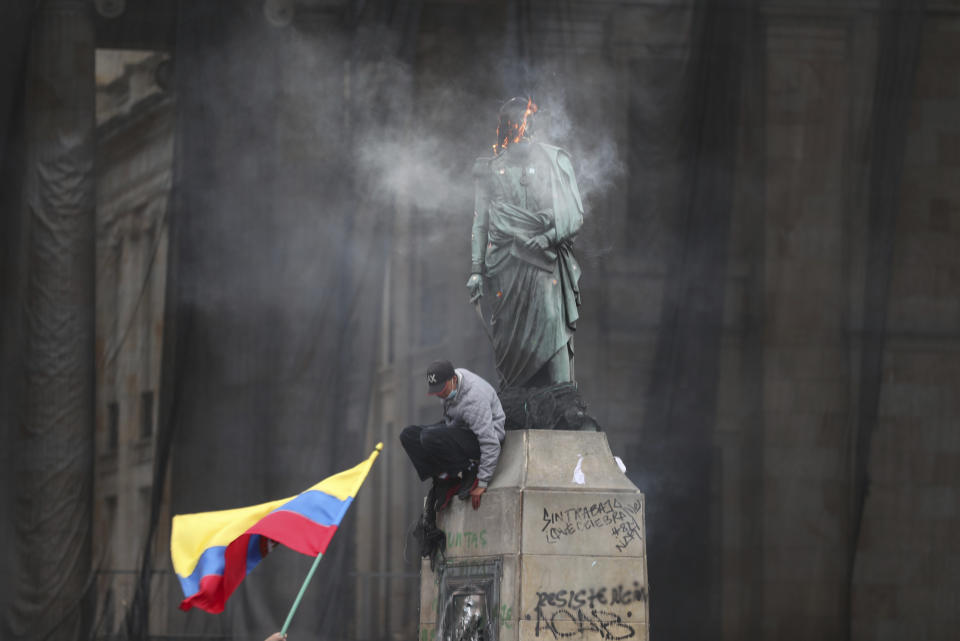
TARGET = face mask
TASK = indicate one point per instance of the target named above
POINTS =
(452, 395)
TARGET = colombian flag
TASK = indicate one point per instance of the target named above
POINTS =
(213, 551)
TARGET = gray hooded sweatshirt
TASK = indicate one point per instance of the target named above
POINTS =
(476, 407)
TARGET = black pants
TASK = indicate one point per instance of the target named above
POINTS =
(436, 448)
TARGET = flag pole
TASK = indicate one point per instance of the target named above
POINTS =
(313, 568)
(303, 588)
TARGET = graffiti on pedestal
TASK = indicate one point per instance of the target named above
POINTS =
(611, 517)
(605, 611)
(467, 539)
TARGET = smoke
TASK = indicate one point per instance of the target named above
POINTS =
(419, 167)
(572, 117)
(424, 157)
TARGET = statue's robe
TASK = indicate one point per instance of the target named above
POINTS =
(528, 190)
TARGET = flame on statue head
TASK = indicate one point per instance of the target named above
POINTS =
(514, 125)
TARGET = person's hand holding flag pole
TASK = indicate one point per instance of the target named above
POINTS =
(212, 551)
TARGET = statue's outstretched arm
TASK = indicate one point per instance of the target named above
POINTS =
(481, 218)
(478, 234)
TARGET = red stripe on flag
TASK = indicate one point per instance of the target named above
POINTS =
(216, 589)
(295, 531)
(209, 597)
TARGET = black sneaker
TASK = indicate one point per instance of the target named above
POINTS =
(467, 483)
(444, 490)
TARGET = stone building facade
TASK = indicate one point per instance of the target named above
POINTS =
(134, 168)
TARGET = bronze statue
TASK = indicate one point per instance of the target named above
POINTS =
(527, 213)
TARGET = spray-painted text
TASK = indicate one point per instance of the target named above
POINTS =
(620, 518)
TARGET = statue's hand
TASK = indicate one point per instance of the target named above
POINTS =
(539, 241)
(475, 285)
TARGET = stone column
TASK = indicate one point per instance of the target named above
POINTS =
(53, 444)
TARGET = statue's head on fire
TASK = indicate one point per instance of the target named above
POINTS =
(516, 122)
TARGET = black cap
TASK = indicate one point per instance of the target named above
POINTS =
(438, 374)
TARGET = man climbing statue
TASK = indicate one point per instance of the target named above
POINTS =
(461, 451)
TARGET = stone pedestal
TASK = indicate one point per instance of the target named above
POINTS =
(556, 551)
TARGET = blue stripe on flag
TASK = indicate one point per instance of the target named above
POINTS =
(319, 507)
(211, 562)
